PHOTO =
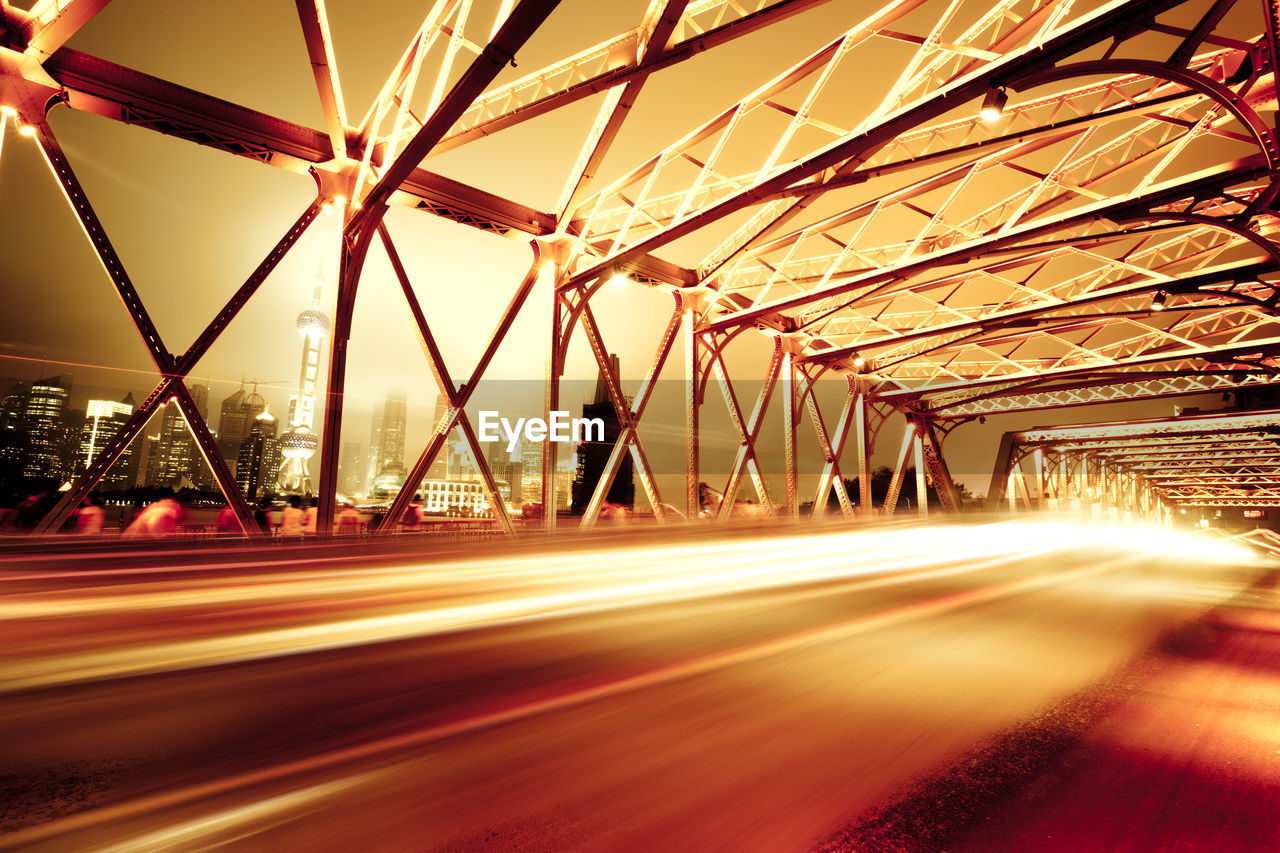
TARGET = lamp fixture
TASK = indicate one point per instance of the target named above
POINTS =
(993, 105)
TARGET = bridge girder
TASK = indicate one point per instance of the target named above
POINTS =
(1109, 237)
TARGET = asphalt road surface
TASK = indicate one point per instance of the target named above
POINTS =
(741, 691)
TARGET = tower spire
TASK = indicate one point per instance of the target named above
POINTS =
(300, 442)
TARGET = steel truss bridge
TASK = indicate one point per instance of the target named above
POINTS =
(1105, 229)
(1145, 467)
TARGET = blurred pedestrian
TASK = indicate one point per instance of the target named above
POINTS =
(32, 509)
(89, 517)
(612, 513)
(8, 515)
(309, 517)
(228, 521)
(292, 518)
(155, 520)
(412, 520)
(348, 520)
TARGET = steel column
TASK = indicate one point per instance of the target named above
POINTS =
(865, 507)
(789, 401)
(693, 385)
(922, 493)
(556, 350)
(355, 248)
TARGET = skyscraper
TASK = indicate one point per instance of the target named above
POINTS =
(299, 444)
(349, 469)
(390, 472)
(13, 435)
(200, 396)
(234, 421)
(146, 452)
(69, 442)
(566, 469)
(42, 420)
(530, 471)
(103, 419)
(375, 441)
(174, 458)
(258, 459)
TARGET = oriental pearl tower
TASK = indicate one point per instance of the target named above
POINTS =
(299, 444)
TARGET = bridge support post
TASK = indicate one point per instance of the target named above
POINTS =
(693, 389)
(865, 508)
(556, 350)
(1039, 494)
(922, 492)
(790, 403)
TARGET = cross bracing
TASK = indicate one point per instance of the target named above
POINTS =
(1107, 235)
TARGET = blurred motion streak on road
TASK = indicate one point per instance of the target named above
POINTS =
(744, 692)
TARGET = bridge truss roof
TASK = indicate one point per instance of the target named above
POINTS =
(1110, 236)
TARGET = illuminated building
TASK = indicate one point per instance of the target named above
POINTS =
(351, 483)
(103, 419)
(447, 497)
(172, 455)
(259, 457)
(566, 468)
(235, 419)
(13, 438)
(42, 420)
(375, 441)
(530, 471)
(527, 473)
(389, 467)
(299, 444)
(176, 460)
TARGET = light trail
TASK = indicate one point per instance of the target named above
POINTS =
(532, 587)
(602, 646)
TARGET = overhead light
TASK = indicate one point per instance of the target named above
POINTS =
(339, 200)
(8, 110)
(27, 130)
(618, 279)
(1159, 300)
(993, 105)
(858, 361)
